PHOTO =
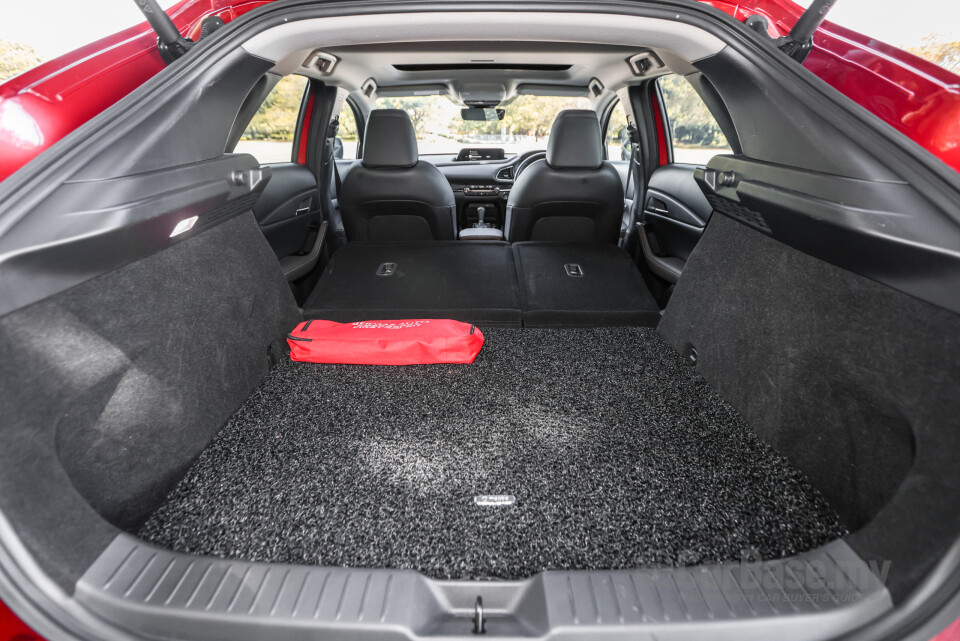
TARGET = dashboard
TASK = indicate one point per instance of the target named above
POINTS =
(482, 183)
(479, 183)
(476, 183)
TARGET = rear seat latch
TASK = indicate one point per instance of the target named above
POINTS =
(574, 270)
(387, 269)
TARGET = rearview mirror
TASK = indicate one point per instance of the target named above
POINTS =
(479, 113)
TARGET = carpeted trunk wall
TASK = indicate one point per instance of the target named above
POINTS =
(854, 382)
(112, 388)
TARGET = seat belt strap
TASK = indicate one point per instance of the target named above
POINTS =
(338, 186)
(635, 167)
(335, 219)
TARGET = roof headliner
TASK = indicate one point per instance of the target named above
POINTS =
(596, 45)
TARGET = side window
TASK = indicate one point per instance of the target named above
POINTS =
(616, 139)
(347, 134)
(269, 136)
(694, 133)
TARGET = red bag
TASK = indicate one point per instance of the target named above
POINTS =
(385, 342)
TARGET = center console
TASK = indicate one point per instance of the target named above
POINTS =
(482, 212)
(482, 229)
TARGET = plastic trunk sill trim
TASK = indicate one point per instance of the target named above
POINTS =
(153, 591)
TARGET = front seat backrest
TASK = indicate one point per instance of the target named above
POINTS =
(392, 195)
(573, 195)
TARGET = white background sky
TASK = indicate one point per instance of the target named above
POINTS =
(54, 27)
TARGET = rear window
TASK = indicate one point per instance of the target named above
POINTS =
(347, 134)
(616, 138)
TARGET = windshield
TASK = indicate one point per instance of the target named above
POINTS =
(441, 130)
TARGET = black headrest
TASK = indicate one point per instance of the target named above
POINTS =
(389, 139)
(575, 140)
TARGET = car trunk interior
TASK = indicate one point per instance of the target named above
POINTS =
(610, 459)
(791, 429)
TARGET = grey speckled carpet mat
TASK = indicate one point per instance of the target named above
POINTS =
(618, 454)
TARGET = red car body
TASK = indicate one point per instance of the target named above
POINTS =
(44, 104)
(41, 106)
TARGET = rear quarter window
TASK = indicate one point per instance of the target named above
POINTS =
(694, 133)
(269, 136)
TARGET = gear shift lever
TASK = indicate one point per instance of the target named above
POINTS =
(481, 210)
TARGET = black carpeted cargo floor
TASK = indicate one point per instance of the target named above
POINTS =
(618, 454)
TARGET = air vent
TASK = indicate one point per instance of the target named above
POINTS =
(505, 174)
